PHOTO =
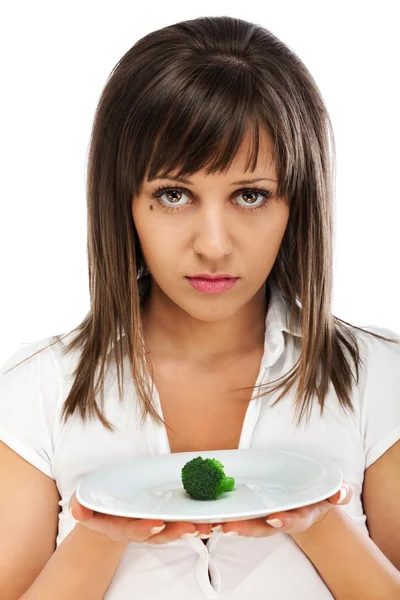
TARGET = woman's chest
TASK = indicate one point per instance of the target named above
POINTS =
(205, 411)
(211, 422)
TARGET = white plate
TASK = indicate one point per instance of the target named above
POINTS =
(266, 481)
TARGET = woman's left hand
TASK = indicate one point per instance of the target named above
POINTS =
(293, 521)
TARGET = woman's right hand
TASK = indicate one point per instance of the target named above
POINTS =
(102, 527)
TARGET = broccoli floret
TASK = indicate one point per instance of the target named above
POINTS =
(204, 479)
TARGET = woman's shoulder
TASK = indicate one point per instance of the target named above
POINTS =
(26, 352)
(47, 353)
(379, 397)
(376, 350)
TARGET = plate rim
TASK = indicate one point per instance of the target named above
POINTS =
(326, 461)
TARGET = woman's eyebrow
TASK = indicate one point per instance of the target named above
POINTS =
(188, 182)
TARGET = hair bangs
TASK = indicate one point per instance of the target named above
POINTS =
(210, 140)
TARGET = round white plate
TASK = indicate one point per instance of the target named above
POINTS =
(266, 481)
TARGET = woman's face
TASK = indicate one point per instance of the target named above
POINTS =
(209, 226)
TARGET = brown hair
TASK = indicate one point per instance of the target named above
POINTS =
(183, 97)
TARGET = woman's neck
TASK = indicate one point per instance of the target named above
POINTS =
(171, 332)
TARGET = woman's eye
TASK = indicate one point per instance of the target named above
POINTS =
(249, 197)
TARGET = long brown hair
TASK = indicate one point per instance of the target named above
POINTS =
(183, 97)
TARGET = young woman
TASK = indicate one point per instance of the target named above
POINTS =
(210, 241)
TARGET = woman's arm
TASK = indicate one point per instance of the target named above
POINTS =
(349, 562)
(82, 568)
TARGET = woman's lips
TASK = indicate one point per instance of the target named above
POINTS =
(212, 286)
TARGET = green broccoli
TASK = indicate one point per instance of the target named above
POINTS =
(204, 479)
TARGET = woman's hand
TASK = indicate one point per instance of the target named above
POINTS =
(293, 521)
(109, 528)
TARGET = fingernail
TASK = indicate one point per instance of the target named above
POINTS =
(205, 536)
(343, 494)
(216, 528)
(230, 533)
(186, 535)
(275, 522)
(154, 530)
(70, 512)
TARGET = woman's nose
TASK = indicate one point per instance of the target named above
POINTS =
(212, 235)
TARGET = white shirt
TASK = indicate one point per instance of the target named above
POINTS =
(31, 398)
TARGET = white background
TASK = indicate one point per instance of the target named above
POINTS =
(55, 59)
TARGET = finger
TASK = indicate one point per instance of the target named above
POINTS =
(79, 512)
(300, 519)
(292, 521)
(141, 530)
(203, 528)
(295, 520)
(173, 531)
(106, 523)
(250, 528)
(186, 527)
(343, 496)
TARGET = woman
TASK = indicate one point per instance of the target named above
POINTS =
(209, 159)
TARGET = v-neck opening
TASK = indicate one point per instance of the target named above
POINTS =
(248, 426)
